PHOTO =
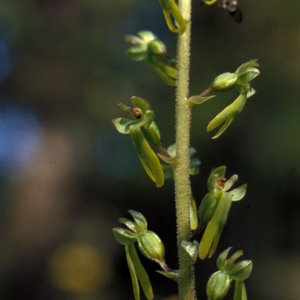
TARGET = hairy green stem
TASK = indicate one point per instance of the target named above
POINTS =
(186, 283)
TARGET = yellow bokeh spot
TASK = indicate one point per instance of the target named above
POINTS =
(79, 268)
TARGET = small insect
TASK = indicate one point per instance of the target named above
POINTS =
(233, 8)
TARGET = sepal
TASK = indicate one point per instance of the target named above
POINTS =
(140, 221)
(174, 274)
(241, 270)
(191, 248)
(238, 193)
(124, 236)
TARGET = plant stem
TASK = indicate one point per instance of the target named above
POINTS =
(186, 283)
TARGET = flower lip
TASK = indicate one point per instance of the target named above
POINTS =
(137, 112)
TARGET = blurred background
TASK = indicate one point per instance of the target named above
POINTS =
(66, 175)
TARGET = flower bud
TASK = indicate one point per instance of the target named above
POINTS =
(217, 286)
(151, 246)
(224, 81)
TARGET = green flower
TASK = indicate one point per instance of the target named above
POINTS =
(145, 135)
(146, 47)
(214, 209)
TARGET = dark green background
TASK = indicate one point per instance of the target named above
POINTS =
(68, 69)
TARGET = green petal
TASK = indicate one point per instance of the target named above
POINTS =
(122, 125)
(223, 128)
(222, 258)
(129, 224)
(249, 64)
(137, 53)
(140, 103)
(241, 270)
(238, 193)
(230, 182)
(231, 261)
(249, 75)
(139, 219)
(227, 115)
(124, 236)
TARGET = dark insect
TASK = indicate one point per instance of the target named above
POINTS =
(232, 6)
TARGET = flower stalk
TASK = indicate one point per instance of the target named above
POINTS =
(186, 283)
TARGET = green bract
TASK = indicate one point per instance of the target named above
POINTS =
(214, 209)
(144, 134)
(170, 159)
(172, 14)
(146, 47)
(191, 248)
